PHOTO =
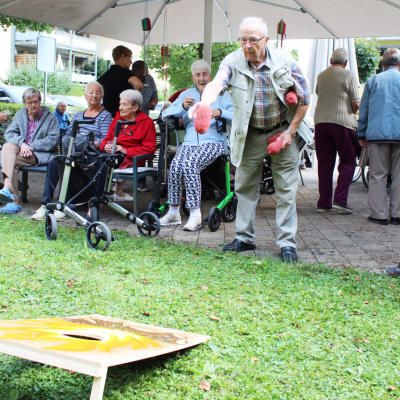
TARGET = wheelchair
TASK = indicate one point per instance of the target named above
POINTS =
(76, 170)
(214, 178)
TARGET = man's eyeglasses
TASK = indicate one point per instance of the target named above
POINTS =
(252, 40)
(31, 103)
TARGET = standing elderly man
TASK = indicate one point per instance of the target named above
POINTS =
(32, 139)
(149, 92)
(118, 78)
(378, 129)
(335, 124)
(258, 76)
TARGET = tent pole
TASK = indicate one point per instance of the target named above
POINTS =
(391, 4)
(225, 12)
(313, 18)
(96, 18)
(268, 3)
(11, 3)
(208, 16)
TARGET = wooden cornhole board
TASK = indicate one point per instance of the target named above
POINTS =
(89, 344)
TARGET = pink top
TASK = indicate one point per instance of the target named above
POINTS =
(32, 126)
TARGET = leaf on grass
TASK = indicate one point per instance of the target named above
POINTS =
(365, 302)
(241, 298)
(280, 335)
(283, 381)
(172, 290)
(257, 262)
(26, 267)
(70, 283)
(192, 294)
(214, 318)
(340, 381)
(119, 287)
(358, 278)
(392, 388)
(355, 313)
(204, 288)
(392, 285)
(240, 284)
(211, 247)
(4, 306)
(147, 314)
(254, 359)
(374, 313)
(3, 310)
(360, 351)
(104, 268)
(36, 299)
(320, 331)
(205, 385)
(145, 281)
(14, 288)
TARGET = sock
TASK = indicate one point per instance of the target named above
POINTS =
(195, 213)
(173, 210)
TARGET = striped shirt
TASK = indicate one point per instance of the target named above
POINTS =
(336, 88)
(268, 110)
(100, 127)
(149, 92)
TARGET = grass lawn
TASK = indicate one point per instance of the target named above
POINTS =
(284, 332)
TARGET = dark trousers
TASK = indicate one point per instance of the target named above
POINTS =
(329, 140)
(50, 182)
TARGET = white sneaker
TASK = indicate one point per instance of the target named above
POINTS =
(194, 224)
(40, 214)
(127, 197)
(60, 216)
(170, 219)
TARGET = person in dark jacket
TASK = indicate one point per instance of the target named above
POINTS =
(31, 140)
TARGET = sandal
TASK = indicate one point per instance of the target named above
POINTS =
(6, 195)
(10, 208)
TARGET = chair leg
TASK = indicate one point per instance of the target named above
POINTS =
(24, 187)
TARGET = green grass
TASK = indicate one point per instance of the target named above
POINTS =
(285, 332)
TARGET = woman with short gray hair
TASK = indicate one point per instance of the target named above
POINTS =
(133, 140)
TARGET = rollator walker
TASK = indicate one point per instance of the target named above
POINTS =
(98, 234)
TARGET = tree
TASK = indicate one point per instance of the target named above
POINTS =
(368, 55)
(180, 59)
(57, 83)
(101, 66)
(22, 24)
(295, 54)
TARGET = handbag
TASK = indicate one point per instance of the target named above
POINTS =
(84, 146)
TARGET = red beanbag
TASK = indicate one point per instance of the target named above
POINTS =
(202, 119)
(275, 147)
(273, 138)
(291, 98)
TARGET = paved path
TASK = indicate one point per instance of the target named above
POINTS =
(333, 239)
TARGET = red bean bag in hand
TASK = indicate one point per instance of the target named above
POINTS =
(273, 138)
(202, 119)
(275, 147)
(291, 98)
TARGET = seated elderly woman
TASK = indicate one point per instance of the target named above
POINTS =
(32, 140)
(133, 140)
(94, 93)
(197, 151)
(63, 118)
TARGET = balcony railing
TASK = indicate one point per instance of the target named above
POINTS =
(63, 40)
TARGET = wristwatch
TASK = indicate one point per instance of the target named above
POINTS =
(293, 133)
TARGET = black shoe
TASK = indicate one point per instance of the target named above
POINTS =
(342, 207)
(288, 254)
(393, 270)
(378, 221)
(395, 221)
(238, 246)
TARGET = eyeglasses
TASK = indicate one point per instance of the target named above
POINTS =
(31, 103)
(252, 40)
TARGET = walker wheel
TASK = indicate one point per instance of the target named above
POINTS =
(94, 214)
(154, 207)
(51, 226)
(151, 226)
(229, 211)
(214, 219)
(98, 236)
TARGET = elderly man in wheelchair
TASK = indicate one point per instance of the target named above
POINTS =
(197, 151)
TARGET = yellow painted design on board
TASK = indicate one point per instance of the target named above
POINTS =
(60, 330)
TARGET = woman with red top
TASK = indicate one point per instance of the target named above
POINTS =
(133, 140)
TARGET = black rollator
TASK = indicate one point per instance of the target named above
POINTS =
(76, 168)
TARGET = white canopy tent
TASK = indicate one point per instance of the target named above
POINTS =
(207, 21)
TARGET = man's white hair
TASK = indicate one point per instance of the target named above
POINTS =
(340, 56)
(61, 102)
(255, 21)
(201, 65)
(94, 83)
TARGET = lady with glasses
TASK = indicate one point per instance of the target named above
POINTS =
(133, 140)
